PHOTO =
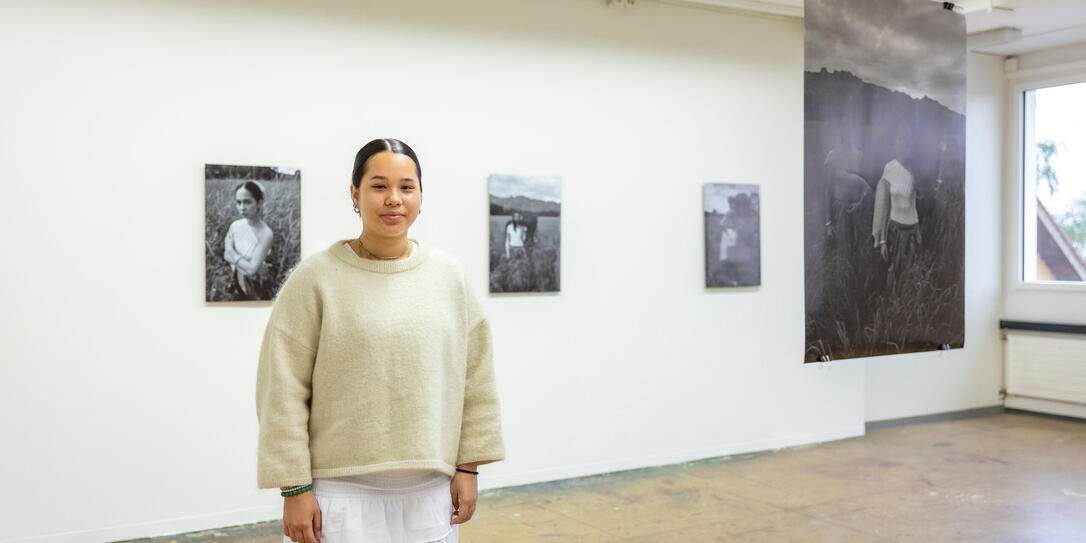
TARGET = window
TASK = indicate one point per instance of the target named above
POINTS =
(1054, 184)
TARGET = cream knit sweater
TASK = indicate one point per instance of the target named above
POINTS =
(369, 366)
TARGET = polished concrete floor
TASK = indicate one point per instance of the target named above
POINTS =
(1004, 478)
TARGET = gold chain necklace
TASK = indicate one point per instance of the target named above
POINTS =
(372, 256)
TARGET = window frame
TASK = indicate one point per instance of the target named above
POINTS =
(1023, 235)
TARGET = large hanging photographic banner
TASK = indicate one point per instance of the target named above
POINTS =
(252, 230)
(525, 233)
(884, 178)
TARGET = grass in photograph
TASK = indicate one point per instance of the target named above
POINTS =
(743, 265)
(855, 305)
(539, 271)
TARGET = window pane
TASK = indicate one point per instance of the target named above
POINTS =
(1056, 151)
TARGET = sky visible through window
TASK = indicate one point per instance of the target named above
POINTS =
(1061, 118)
(1060, 136)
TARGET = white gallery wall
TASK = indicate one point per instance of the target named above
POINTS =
(938, 382)
(129, 405)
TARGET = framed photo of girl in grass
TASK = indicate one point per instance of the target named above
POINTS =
(252, 234)
(525, 233)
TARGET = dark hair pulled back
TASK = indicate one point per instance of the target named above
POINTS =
(253, 188)
(380, 145)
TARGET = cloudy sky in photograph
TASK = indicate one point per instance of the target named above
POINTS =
(536, 187)
(717, 194)
(911, 46)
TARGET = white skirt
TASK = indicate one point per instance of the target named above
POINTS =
(353, 512)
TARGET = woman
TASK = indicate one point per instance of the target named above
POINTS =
(895, 223)
(516, 234)
(247, 244)
(728, 236)
(375, 388)
(845, 191)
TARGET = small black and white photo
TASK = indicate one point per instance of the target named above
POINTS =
(252, 234)
(733, 256)
(525, 233)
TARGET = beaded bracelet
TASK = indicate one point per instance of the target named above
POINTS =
(299, 490)
(467, 471)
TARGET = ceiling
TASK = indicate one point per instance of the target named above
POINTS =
(1044, 24)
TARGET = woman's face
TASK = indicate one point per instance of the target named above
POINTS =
(903, 146)
(246, 203)
(388, 196)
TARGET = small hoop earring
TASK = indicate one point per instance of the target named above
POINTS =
(356, 211)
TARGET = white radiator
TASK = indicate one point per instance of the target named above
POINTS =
(1045, 372)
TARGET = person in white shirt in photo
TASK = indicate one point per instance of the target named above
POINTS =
(248, 243)
(516, 236)
(895, 223)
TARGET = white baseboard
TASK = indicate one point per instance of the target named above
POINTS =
(1046, 406)
(266, 513)
(159, 528)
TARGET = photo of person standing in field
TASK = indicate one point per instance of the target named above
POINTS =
(252, 232)
(516, 236)
(525, 233)
(733, 239)
(247, 244)
(884, 178)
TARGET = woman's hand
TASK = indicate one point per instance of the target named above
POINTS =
(302, 518)
(465, 494)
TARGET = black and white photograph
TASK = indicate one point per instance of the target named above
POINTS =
(525, 233)
(733, 256)
(252, 230)
(884, 178)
